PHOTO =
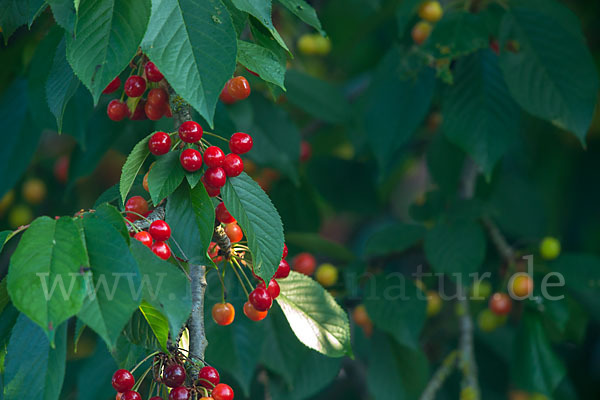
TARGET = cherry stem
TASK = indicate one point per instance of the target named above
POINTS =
(215, 135)
(143, 361)
(239, 278)
(139, 382)
(243, 273)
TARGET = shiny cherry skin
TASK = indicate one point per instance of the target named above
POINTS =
(214, 156)
(215, 177)
(122, 380)
(260, 299)
(112, 86)
(174, 375)
(233, 165)
(162, 250)
(273, 289)
(285, 251)
(223, 313)
(209, 377)
(145, 238)
(500, 303)
(225, 96)
(152, 72)
(223, 214)
(211, 190)
(239, 88)
(253, 314)
(283, 270)
(222, 392)
(159, 143)
(135, 86)
(179, 393)
(157, 96)
(131, 395)
(138, 205)
(240, 143)
(234, 232)
(160, 230)
(191, 160)
(117, 110)
(190, 132)
(154, 112)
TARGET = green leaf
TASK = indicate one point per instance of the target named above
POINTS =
(397, 306)
(394, 239)
(114, 284)
(535, 368)
(317, 97)
(445, 163)
(471, 107)
(4, 237)
(4, 298)
(110, 214)
(581, 273)
(126, 353)
(132, 166)
(405, 12)
(552, 75)
(315, 243)
(261, 10)
(202, 36)
(109, 33)
(457, 34)
(262, 61)
(139, 332)
(314, 316)
(44, 280)
(166, 175)
(64, 13)
(304, 11)
(396, 105)
(18, 147)
(158, 323)
(93, 374)
(61, 84)
(191, 215)
(33, 369)
(165, 286)
(455, 248)
(257, 217)
(14, 13)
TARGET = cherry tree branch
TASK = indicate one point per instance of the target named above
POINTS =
(437, 380)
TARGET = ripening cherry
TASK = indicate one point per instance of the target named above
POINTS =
(260, 299)
(112, 86)
(522, 285)
(421, 32)
(174, 375)
(214, 156)
(223, 313)
(283, 270)
(252, 313)
(131, 395)
(152, 72)
(154, 112)
(233, 165)
(135, 86)
(238, 87)
(305, 151)
(213, 252)
(139, 114)
(145, 238)
(305, 263)
(162, 250)
(240, 143)
(160, 230)
(431, 11)
(211, 190)
(117, 110)
(234, 232)
(273, 289)
(500, 304)
(222, 392)
(179, 393)
(215, 177)
(190, 132)
(157, 96)
(285, 251)
(191, 160)
(327, 275)
(360, 315)
(225, 96)
(209, 377)
(138, 205)
(159, 143)
(223, 215)
(122, 380)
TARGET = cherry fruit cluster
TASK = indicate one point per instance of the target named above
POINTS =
(430, 12)
(158, 233)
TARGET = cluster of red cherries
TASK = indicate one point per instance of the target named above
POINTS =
(173, 376)
(154, 106)
(158, 233)
(219, 165)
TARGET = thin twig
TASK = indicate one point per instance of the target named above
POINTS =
(440, 376)
(498, 239)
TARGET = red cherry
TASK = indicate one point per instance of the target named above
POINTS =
(283, 270)
(145, 238)
(179, 393)
(223, 313)
(168, 112)
(234, 232)
(160, 230)
(190, 132)
(225, 97)
(211, 190)
(117, 110)
(156, 398)
(305, 263)
(253, 314)
(131, 395)
(158, 96)
(136, 204)
(154, 112)
(240, 143)
(152, 73)
(214, 156)
(222, 392)
(159, 143)
(273, 289)
(305, 151)
(213, 252)
(238, 88)
(174, 375)
(223, 214)
(161, 250)
(500, 303)
(191, 160)
(260, 299)
(209, 377)
(112, 86)
(139, 114)
(285, 251)
(61, 169)
(215, 177)
(135, 86)
(233, 165)
(122, 380)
